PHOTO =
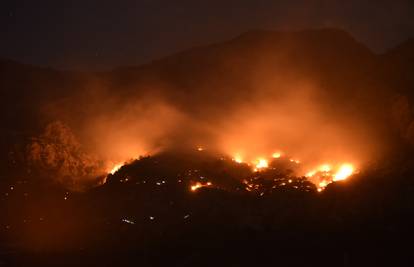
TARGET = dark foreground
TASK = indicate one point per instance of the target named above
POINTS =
(145, 215)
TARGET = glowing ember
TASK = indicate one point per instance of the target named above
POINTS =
(128, 221)
(344, 172)
(295, 161)
(261, 164)
(200, 148)
(199, 185)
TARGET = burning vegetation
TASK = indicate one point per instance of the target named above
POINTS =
(207, 170)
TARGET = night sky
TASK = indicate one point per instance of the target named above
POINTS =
(99, 34)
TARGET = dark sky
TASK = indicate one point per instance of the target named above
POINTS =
(99, 34)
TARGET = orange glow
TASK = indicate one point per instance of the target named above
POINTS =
(326, 174)
(115, 168)
(325, 168)
(295, 161)
(276, 155)
(310, 174)
(323, 184)
(238, 159)
(343, 172)
(199, 185)
(200, 148)
(262, 163)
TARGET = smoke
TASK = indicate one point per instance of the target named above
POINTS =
(252, 111)
(298, 127)
(133, 129)
(296, 123)
(295, 119)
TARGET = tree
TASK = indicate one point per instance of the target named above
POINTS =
(58, 155)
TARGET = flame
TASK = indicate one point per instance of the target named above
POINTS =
(325, 168)
(237, 158)
(277, 155)
(321, 176)
(261, 163)
(310, 174)
(326, 174)
(323, 184)
(115, 168)
(199, 185)
(344, 172)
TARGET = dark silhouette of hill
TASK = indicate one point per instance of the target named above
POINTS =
(145, 214)
(331, 58)
(403, 51)
(399, 63)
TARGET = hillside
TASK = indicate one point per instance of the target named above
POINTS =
(140, 163)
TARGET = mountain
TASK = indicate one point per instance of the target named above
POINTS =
(399, 63)
(403, 51)
(329, 57)
(198, 207)
(352, 80)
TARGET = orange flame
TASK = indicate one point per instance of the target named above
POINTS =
(115, 168)
(199, 185)
(277, 155)
(261, 163)
(344, 172)
(237, 158)
(326, 175)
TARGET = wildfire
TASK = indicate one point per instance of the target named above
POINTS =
(326, 174)
(321, 175)
(238, 159)
(310, 174)
(276, 155)
(261, 163)
(199, 185)
(325, 168)
(295, 161)
(344, 172)
(115, 168)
